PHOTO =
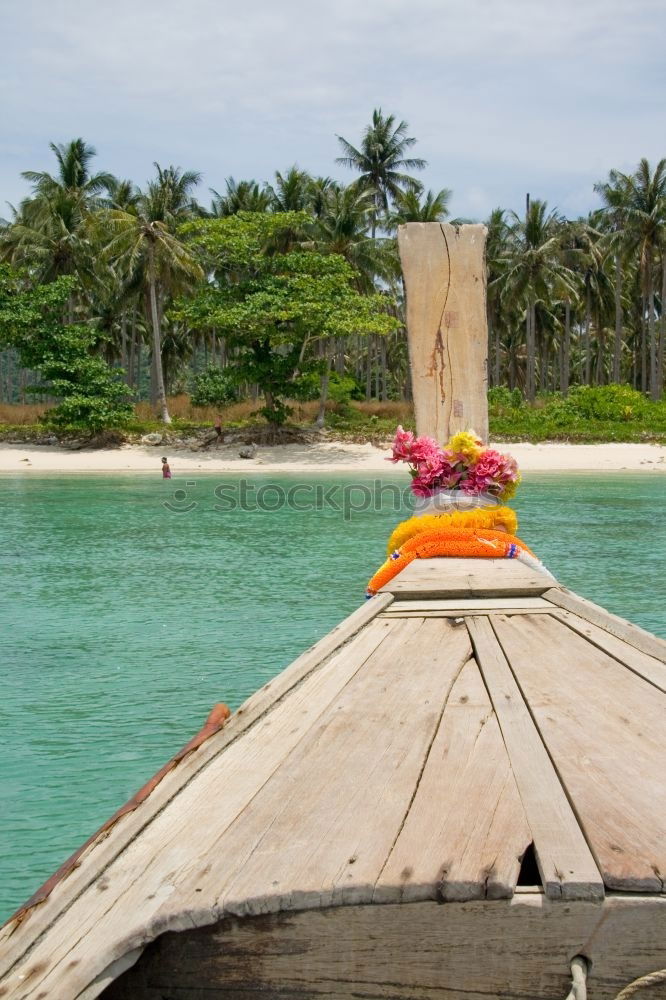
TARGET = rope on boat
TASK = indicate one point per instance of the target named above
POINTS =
(651, 979)
(578, 989)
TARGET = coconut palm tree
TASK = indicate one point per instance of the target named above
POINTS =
(415, 205)
(146, 244)
(644, 212)
(381, 160)
(292, 191)
(533, 270)
(73, 176)
(613, 194)
(240, 196)
(343, 228)
(47, 232)
(498, 231)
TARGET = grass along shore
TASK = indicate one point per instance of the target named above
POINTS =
(588, 415)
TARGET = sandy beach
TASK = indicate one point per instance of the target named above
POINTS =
(325, 457)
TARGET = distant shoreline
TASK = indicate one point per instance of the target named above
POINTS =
(324, 457)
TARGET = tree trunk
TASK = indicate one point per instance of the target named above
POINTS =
(323, 393)
(662, 329)
(531, 360)
(368, 370)
(382, 360)
(157, 347)
(588, 321)
(617, 348)
(566, 352)
(497, 355)
(654, 380)
(643, 347)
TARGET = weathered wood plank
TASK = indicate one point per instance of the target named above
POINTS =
(603, 726)
(647, 667)
(466, 831)
(484, 950)
(633, 634)
(463, 578)
(321, 832)
(463, 612)
(17, 936)
(471, 604)
(444, 271)
(115, 913)
(566, 865)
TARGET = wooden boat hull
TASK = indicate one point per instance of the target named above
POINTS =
(470, 951)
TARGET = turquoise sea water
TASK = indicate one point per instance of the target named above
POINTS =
(126, 613)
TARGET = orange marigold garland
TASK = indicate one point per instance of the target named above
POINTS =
(458, 543)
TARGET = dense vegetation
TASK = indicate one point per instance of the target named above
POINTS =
(290, 291)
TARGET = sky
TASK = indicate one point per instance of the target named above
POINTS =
(504, 96)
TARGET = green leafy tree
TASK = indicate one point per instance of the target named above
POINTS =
(92, 395)
(273, 306)
(381, 160)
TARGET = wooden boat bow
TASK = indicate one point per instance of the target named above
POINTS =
(471, 716)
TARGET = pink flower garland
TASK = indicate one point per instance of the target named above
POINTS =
(474, 471)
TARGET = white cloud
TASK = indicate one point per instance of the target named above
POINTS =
(504, 95)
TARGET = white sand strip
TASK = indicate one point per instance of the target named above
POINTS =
(321, 457)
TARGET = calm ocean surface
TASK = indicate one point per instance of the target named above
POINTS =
(123, 621)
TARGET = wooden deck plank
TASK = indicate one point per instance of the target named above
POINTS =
(466, 830)
(640, 638)
(470, 604)
(464, 612)
(604, 728)
(321, 832)
(16, 938)
(566, 865)
(647, 667)
(455, 578)
(98, 926)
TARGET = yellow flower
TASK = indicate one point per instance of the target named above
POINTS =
(494, 518)
(466, 443)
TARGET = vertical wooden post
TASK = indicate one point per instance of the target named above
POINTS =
(447, 327)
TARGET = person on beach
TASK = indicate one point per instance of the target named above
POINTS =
(166, 469)
(218, 427)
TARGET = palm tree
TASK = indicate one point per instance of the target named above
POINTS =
(645, 214)
(533, 271)
(146, 244)
(381, 160)
(343, 228)
(240, 196)
(613, 193)
(292, 191)
(47, 232)
(498, 231)
(415, 205)
(74, 176)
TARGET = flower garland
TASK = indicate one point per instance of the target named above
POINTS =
(499, 518)
(469, 478)
(461, 543)
(464, 465)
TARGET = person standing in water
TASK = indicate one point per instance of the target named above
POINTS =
(166, 470)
